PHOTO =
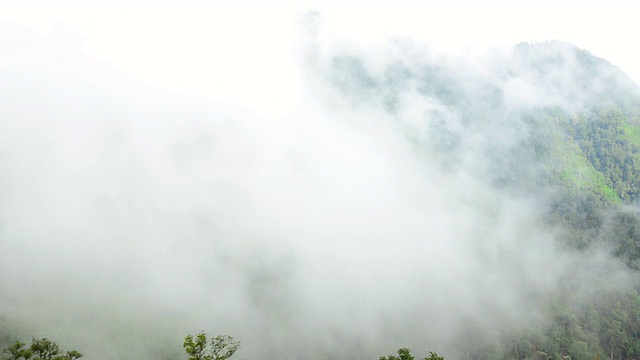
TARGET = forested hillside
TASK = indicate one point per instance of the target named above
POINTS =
(576, 147)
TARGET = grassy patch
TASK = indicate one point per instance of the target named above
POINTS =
(577, 172)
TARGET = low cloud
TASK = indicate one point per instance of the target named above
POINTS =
(376, 212)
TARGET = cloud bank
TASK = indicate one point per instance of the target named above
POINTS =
(374, 210)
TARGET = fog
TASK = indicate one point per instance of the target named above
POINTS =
(342, 213)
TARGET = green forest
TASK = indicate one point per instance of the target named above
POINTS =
(587, 157)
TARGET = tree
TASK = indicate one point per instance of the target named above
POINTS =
(17, 351)
(40, 349)
(196, 348)
(405, 354)
(223, 347)
(434, 356)
(220, 347)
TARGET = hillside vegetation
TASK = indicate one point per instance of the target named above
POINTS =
(578, 149)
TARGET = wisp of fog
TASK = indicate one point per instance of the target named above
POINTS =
(373, 213)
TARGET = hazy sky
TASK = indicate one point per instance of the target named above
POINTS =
(206, 48)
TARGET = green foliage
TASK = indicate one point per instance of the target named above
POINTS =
(610, 143)
(17, 351)
(609, 324)
(434, 356)
(221, 347)
(40, 349)
(196, 348)
(405, 354)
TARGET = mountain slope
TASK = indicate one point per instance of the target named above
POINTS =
(553, 123)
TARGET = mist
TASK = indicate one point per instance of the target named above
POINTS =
(357, 212)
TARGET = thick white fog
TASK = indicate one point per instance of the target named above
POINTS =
(238, 188)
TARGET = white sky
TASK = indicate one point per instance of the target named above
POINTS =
(240, 52)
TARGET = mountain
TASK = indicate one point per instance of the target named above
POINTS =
(554, 123)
